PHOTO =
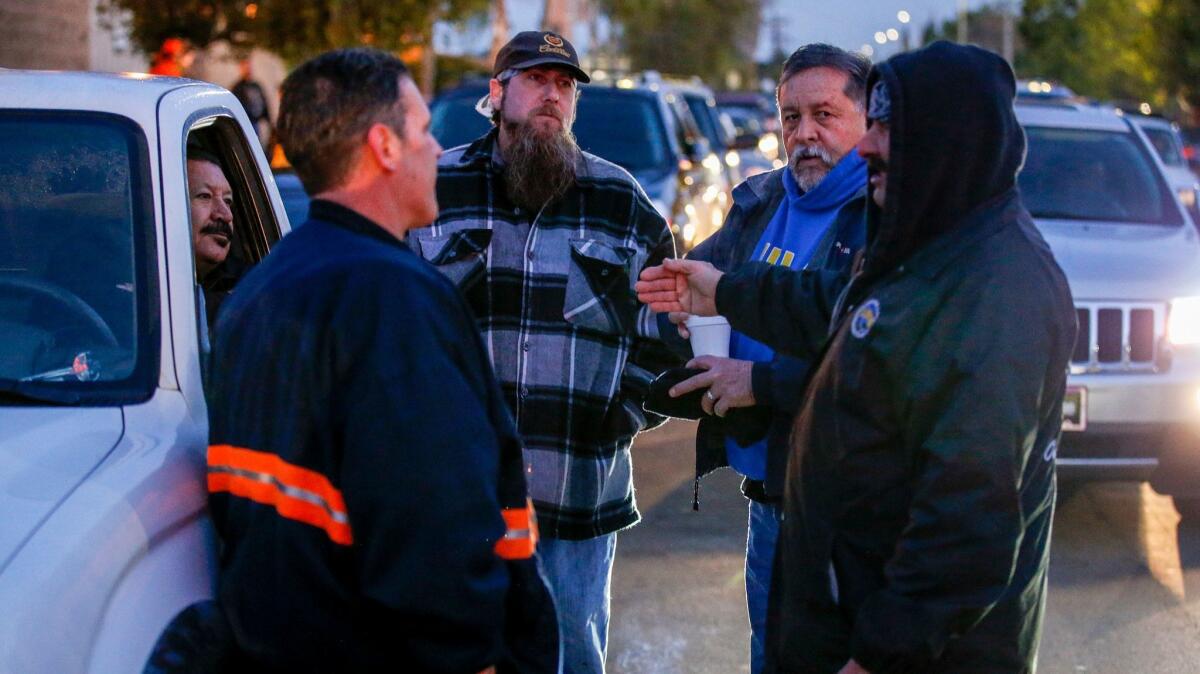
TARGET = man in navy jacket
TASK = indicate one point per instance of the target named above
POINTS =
(363, 472)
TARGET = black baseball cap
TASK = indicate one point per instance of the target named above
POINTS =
(535, 48)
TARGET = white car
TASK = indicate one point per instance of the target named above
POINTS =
(1100, 196)
(104, 535)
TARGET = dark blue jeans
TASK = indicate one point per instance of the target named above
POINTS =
(761, 535)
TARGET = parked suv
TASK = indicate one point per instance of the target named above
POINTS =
(642, 128)
(1101, 198)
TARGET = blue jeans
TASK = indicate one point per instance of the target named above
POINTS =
(579, 575)
(761, 535)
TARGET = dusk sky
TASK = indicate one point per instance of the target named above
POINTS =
(846, 23)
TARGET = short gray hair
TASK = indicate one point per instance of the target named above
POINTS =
(821, 55)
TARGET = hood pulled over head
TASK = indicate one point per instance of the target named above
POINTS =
(955, 145)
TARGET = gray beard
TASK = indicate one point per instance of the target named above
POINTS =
(809, 178)
(538, 168)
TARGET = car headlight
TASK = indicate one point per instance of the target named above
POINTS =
(1188, 196)
(769, 145)
(1183, 323)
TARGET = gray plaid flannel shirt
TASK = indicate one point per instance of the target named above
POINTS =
(574, 351)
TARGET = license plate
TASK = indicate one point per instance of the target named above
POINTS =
(1075, 409)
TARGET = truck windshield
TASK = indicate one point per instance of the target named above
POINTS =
(624, 127)
(1085, 174)
(76, 251)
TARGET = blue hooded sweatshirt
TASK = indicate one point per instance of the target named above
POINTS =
(790, 240)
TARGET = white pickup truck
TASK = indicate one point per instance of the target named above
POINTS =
(103, 429)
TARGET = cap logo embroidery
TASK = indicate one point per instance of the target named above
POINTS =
(864, 319)
(553, 40)
(547, 49)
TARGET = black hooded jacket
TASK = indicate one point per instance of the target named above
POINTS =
(920, 485)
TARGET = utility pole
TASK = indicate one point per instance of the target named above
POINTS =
(429, 58)
(777, 35)
(557, 17)
(962, 35)
(1008, 31)
(499, 29)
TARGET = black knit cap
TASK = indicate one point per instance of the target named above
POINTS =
(536, 48)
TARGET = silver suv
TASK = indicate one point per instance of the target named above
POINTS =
(1100, 195)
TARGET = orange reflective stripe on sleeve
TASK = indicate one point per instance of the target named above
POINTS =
(520, 533)
(296, 493)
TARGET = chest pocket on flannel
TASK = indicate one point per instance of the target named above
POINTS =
(599, 296)
(461, 255)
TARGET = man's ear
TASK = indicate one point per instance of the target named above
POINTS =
(495, 93)
(383, 145)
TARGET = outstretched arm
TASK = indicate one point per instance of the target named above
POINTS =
(787, 310)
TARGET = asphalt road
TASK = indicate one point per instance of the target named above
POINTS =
(1124, 577)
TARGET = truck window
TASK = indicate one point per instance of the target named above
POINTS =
(232, 223)
(78, 269)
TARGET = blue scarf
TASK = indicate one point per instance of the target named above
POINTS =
(790, 239)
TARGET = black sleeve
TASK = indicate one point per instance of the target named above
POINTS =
(778, 383)
(787, 310)
(420, 474)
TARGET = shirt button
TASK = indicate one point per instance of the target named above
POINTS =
(525, 347)
(524, 392)
(516, 211)
(529, 255)
(604, 272)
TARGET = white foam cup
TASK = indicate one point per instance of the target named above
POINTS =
(710, 335)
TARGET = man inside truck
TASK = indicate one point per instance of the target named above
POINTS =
(211, 198)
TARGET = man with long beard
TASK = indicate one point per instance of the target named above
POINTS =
(546, 242)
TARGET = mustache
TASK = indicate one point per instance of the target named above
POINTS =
(811, 152)
(548, 109)
(218, 226)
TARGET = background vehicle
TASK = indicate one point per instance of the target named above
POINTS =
(295, 199)
(740, 161)
(1101, 199)
(103, 423)
(755, 120)
(643, 129)
(1165, 139)
(1039, 91)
